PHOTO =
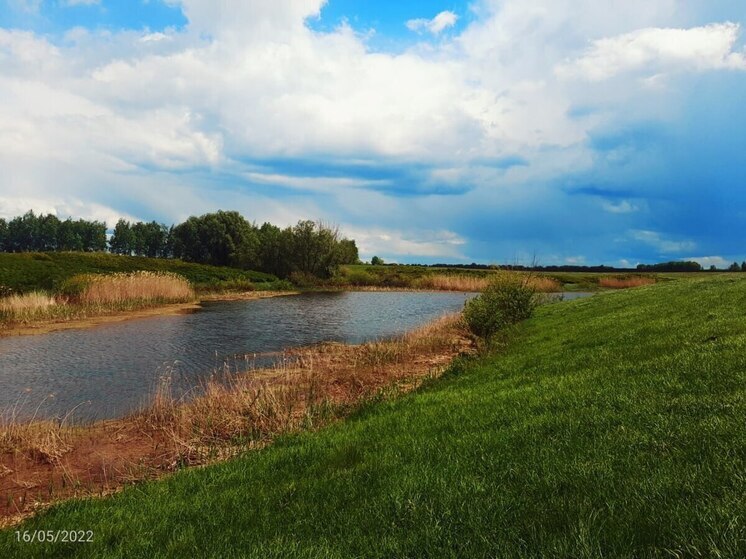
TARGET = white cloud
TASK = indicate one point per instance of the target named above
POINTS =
(707, 261)
(80, 2)
(394, 243)
(27, 6)
(436, 26)
(666, 246)
(656, 50)
(169, 119)
(623, 207)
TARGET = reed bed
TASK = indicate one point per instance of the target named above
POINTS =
(116, 289)
(41, 441)
(473, 283)
(625, 282)
(306, 388)
(29, 306)
(460, 282)
(543, 284)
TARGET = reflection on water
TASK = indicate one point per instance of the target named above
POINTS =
(112, 369)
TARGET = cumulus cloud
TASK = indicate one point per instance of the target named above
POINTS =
(664, 245)
(393, 244)
(657, 50)
(436, 26)
(80, 2)
(167, 123)
(707, 261)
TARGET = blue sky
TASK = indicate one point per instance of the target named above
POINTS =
(577, 131)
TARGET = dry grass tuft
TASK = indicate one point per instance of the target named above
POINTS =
(303, 389)
(460, 282)
(543, 284)
(41, 441)
(137, 286)
(625, 282)
(26, 307)
(306, 389)
(473, 283)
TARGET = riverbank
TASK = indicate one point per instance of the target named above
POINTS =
(41, 462)
(610, 426)
(91, 318)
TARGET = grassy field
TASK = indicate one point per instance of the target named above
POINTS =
(420, 276)
(604, 427)
(47, 271)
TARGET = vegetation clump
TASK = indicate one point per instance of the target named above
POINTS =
(625, 282)
(507, 300)
(144, 287)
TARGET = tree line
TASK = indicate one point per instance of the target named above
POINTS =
(221, 239)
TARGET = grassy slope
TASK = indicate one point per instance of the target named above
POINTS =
(406, 276)
(29, 271)
(608, 427)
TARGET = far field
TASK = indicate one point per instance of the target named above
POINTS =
(605, 427)
(47, 271)
(27, 272)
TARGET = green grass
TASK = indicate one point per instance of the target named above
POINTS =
(607, 427)
(394, 276)
(33, 271)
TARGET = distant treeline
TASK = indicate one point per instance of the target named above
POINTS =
(221, 239)
(686, 266)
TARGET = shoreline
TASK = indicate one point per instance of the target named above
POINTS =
(44, 462)
(40, 328)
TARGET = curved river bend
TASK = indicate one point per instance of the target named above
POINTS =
(110, 370)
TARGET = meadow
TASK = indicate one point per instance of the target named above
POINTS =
(604, 427)
(40, 289)
(464, 279)
(25, 272)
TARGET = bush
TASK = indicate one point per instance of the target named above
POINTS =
(507, 300)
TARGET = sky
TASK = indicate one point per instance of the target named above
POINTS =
(491, 131)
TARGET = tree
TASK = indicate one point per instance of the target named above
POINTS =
(68, 237)
(743, 266)
(376, 261)
(122, 241)
(47, 230)
(713, 268)
(23, 232)
(348, 252)
(3, 235)
(274, 250)
(734, 267)
(221, 239)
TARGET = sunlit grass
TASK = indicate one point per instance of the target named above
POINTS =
(604, 427)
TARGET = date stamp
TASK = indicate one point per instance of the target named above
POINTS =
(54, 536)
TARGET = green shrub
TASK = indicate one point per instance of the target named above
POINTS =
(506, 301)
(361, 278)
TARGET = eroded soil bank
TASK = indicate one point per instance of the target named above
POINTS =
(44, 462)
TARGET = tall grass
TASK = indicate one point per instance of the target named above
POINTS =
(625, 282)
(461, 282)
(84, 296)
(114, 289)
(306, 388)
(27, 307)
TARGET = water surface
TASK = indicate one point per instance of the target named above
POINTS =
(110, 370)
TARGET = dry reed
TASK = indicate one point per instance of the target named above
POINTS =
(43, 441)
(301, 390)
(137, 286)
(543, 284)
(625, 282)
(460, 282)
(26, 307)
(473, 283)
